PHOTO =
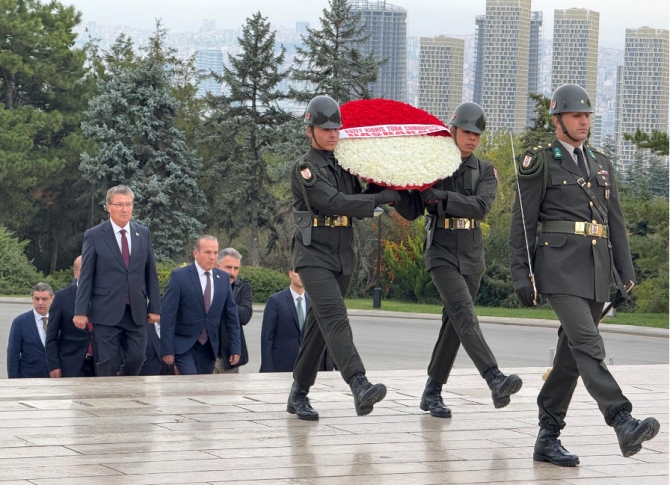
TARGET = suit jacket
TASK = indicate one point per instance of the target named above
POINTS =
(66, 344)
(26, 356)
(280, 332)
(569, 264)
(184, 316)
(105, 283)
(244, 301)
(152, 360)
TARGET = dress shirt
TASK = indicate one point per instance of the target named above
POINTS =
(40, 326)
(117, 235)
(571, 150)
(203, 281)
(295, 301)
(157, 326)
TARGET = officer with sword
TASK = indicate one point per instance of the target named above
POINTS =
(568, 188)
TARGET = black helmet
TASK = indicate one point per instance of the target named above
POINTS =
(570, 98)
(324, 112)
(469, 116)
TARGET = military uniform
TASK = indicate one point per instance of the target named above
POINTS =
(326, 264)
(455, 260)
(572, 265)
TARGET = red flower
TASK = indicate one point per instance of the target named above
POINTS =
(373, 112)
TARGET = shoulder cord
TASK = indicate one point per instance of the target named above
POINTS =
(534, 169)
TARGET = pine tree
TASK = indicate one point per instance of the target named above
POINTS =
(44, 88)
(133, 121)
(542, 130)
(328, 62)
(240, 133)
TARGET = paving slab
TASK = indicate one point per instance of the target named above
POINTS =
(227, 428)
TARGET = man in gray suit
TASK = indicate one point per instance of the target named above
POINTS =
(568, 188)
(118, 287)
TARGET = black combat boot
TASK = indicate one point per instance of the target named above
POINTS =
(549, 448)
(632, 432)
(298, 403)
(432, 400)
(365, 394)
(502, 387)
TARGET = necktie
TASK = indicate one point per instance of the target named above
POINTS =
(301, 314)
(89, 350)
(44, 323)
(207, 297)
(125, 251)
(581, 164)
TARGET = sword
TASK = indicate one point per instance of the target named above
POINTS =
(523, 222)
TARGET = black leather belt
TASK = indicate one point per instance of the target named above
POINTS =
(592, 229)
(332, 221)
(452, 223)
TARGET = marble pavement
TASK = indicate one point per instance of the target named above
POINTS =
(224, 429)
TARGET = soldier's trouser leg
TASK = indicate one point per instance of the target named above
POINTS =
(580, 352)
(326, 323)
(459, 324)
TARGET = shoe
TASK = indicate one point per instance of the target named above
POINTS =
(632, 432)
(298, 403)
(431, 400)
(365, 394)
(502, 387)
(549, 448)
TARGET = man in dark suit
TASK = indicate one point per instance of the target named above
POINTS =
(230, 260)
(198, 301)
(69, 349)
(26, 356)
(283, 322)
(118, 287)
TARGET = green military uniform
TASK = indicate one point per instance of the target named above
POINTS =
(572, 266)
(325, 265)
(455, 260)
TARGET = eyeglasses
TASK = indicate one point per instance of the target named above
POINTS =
(122, 206)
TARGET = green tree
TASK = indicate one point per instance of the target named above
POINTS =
(542, 130)
(657, 142)
(133, 121)
(240, 133)
(329, 61)
(44, 88)
(17, 274)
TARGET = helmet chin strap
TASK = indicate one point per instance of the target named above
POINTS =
(564, 129)
(311, 128)
(454, 129)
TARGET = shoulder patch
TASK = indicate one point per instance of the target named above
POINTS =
(533, 162)
(305, 172)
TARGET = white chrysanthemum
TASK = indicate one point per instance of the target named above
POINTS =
(402, 161)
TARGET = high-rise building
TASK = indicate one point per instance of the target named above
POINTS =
(301, 28)
(441, 75)
(479, 58)
(534, 56)
(642, 88)
(575, 51)
(207, 61)
(503, 44)
(208, 25)
(386, 26)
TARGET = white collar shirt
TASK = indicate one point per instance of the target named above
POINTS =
(203, 281)
(117, 235)
(296, 302)
(40, 326)
(571, 150)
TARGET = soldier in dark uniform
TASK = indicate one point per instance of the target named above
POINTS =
(568, 188)
(325, 199)
(454, 256)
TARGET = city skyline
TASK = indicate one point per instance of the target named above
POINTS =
(425, 18)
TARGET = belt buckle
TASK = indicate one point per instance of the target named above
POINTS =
(595, 230)
(341, 221)
(327, 221)
(462, 223)
(580, 228)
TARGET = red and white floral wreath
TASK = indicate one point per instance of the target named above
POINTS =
(395, 145)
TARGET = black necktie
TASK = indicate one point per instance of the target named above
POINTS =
(581, 164)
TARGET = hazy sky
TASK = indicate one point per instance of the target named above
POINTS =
(424, 17)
